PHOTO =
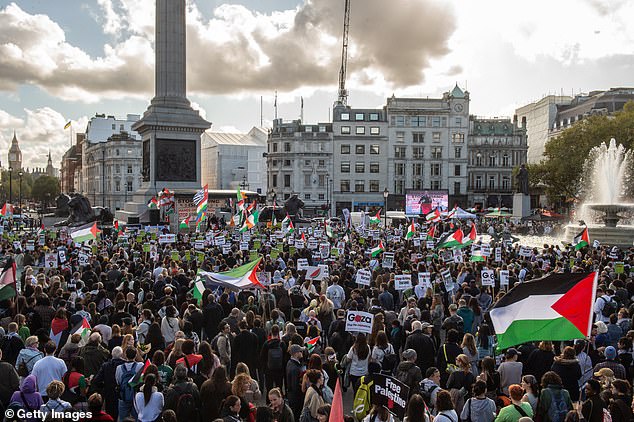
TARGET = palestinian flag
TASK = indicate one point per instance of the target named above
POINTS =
(376, 219)
(250, 221)
(557, 307)
(433, 216)
(581, 240)
(310, 344)
(287, 221)
(328, 229)
(184, 224)
(199, 288)
(137, 379)
(7, 210)
(85, 233)
(477, 256)
(83, 331)
(411, 230)
(452, 213)
(452, 241)
(243, 277)
(473, 234)
(153, 203)
(7, 280)
(378, 250)
(58, 325)
(431, 232)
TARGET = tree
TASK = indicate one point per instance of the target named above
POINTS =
(561, 170)
(45, 188)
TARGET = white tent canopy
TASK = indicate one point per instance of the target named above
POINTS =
(461, 214)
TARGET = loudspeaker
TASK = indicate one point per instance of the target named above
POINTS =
(155, 217)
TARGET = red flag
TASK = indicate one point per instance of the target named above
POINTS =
(336, 411)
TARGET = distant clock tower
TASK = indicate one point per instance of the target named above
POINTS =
(15, 155)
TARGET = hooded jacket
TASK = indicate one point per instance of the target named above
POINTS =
(28, 390)
(408, 373)
(570, 372)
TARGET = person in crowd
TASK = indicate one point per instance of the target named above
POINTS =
(416, 410)
(281, 411)
(379, 413)
(444, 408)
(531, 391)
(422, 344)
(27, 397)
(479, 408)
(540, 360)
(54, 392)
(95, 407)
(554, 401)
(430, 387)
(620, 405)
(29, 356)
(517, 409)
(510, 370)
(611, 363)
(48, 369)
(314, 397)
(123, 375)
(567, 367)
(460, 382)
(294, 374)
(447, 355)
(408, 372)
(592, 408)
(359, 357)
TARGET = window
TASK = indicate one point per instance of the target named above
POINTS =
(322, 180)
(308, 129)
(117, 169)
(375, 130)
(359, 117)
(307, 180)
(345, 149)
(435, 169)
(322, 163)
(436, 153)
(344, 186)
(287, 163)
(287, 180)
(457, 137)
(505, 160)
(345, 116)
(287, 147)
(417, 169)
(374, 117)
(374, 149)
(435, 136)
(129, 169)
(418, 121)
(322, 196)
(399, 152)
(114, 127)
(345, 166)
(417, 184)
(417, 152)
(400, 121)
(506, 183)
(374, 185)
(418, 137)
(457, 152)
(322, 129)
(359, 167)
(273, 163)
(491, 182)
(491, 160)
(399, 186)
(345, 130)
(456, 170)
(307, 196)
(456, 188)
(399, 169)
(359, 149)
(435, 184)
(274, 180)
(117, 152)
(274, 146)
(478, 182)
(360, 130)
(359, 186)
(400, 136)
(435, 121)
(374, 167)
(458, 121)
(117, 185)
(306, 163)
(478, 159)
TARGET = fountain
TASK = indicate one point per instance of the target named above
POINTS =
(608, 169)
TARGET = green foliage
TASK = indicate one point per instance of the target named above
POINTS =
(561, 169)
(45, 188)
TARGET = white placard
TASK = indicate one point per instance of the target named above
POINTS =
(403, 281)
(596, 243)
(226, 249)
(498, 254)
(388, 260)
(416, 243)
(50, 260)
(525, 251)
(41, 239)
(299, 244)
(17, 245)
(302, 264)
(485, 250)
(30, 245)
(364, 277)
(424, 279)
(504, 277)
(246, 236)
(83, 258)
(167, 238)
(324, 249)
(244, 246)
(220, 241)
(374, 234)
(314, 273)
(325, 269)
(488, 278)
(199, 244)
(62, 255)
(312, 243)
(360, 322)
(458, 257)
(430, 244)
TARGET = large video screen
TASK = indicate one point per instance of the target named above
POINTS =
(422, 202)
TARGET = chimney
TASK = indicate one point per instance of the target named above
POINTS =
(524, 122)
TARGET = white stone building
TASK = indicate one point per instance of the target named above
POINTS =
(229, 160)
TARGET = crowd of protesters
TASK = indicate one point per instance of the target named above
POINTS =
(244, 355)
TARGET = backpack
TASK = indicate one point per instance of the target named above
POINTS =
(186, 408)
(196, 376)
(426, 394)
(609, 308)
(558, 409)
(274, 358)
(390, 362)
(214, 344)
(126, 391)
(23, 367)
(361, 405)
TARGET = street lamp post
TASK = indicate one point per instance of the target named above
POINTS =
(386, 193)
(20, 191)
(10, 185)
(103, 174)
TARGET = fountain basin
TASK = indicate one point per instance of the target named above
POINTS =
(611, 216)
(621, 236)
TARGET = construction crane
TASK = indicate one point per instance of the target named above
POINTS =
(343, 93)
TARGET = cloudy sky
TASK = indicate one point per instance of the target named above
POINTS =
(66, 60)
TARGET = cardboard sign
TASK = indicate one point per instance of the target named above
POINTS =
(485, 250)
(325, 270)
(458, 257)
(504, 277)
(62, 255)
(220, 241)
(299, 244)
(146, 247)
(488, 278)
(50, 260)
(416, 243)
(360, 322)
(389, 392)
(312, 243)
(41, 239)
(324, 250)
(175, 256)
(525, 251)
(619, 267)
(596, 244)
(83, 258)
(200, 257)
(403, 281)
(30, 245)
(167, 238)
(430, 244)
(364, 277)
(244, 246)
(424, 279)
(388, 260)
(200, 244)
(226, 249)
(302, 264)
(498, 254)
(314, 273)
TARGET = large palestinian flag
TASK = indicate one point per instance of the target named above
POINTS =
(236, 279)
(557, 307)
(8, 287)
(454, 240)
(581, 240)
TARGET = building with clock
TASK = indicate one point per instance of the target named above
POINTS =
(15, 154)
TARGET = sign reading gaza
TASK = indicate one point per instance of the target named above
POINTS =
(360, 322)
(389, 392)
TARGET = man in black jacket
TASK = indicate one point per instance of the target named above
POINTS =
(12, 344)
(272, 359)
(244, 346)
(422, 344)
(106, 377)
(212, 315)
(294, 370)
